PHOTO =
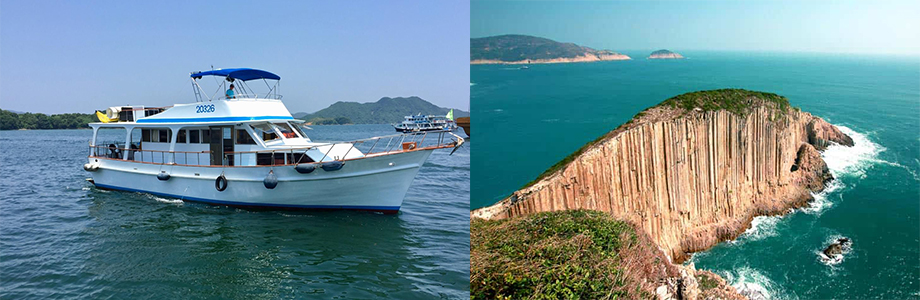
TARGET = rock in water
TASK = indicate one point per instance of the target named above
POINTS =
(837, 248)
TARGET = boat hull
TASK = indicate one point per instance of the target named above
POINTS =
(376, 183)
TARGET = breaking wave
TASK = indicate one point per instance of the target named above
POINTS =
(852, 161)
(761, 227)
(831, 261)
(751, 283)
(843, 162)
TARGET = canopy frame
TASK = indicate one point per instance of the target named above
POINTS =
(239, 77)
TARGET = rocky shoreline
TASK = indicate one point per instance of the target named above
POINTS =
(577, 59)
(693, 171)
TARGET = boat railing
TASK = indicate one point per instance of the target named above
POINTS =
(271, 96)
(332, 151)
(119, 152)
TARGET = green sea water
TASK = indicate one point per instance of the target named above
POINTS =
(531, 118)
(62, 238)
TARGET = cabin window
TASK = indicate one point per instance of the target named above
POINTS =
(286, 130)
(182, 136)
(265, 131)
(193, 136)
(270, 159)
(164, 136)
(243, 138)
(155, 135)
(145, 135)
(205, 136)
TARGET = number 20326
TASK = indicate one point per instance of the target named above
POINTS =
(204, 108)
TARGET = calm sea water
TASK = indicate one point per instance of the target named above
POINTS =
(533, 118)
(62, 238)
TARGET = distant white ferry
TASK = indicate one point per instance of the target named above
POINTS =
(421, 123)
(246, 150)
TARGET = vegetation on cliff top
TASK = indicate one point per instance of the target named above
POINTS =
(559, 255)
(513, 47)
(662, 52)
(737, 101)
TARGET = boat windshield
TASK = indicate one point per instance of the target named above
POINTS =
(300, 130)
(286, 130)
(265, 131)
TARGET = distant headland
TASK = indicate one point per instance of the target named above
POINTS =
(385, 111)
(664, 54)
(525, 49)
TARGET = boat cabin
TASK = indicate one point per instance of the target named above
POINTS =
(245, 129)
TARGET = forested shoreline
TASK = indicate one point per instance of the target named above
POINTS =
(12, 121)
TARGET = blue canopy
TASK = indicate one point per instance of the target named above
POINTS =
(243, 74)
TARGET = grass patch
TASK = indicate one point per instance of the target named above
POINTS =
(706, 283)
(737, 101)
(553, 255)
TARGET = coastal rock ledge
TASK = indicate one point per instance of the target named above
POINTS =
(692, 171)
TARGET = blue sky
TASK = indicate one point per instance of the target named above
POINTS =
(77, 56)
(867, 27)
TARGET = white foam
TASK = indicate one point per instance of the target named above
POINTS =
(751, 283)
(165, 200)
(831, 261)
(821, 202)
(855, 160)
(472, 84)
(761, 227)
(499, 110)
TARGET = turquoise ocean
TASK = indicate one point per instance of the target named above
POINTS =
(531, 118)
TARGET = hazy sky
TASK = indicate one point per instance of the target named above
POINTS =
(883, 27)
(77, 56)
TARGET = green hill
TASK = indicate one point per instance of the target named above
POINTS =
(515, 47)
(384, 111)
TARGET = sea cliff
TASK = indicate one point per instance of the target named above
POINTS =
(691, 171)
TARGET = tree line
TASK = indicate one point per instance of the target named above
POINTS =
(11, 121)
(330, 121)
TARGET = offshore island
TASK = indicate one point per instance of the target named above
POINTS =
(525, 49)
(617, 217)
(664, 54)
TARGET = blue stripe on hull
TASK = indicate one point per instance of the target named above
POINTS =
(384, 209)
(216, 119)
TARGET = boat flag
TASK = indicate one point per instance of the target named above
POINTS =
(450, 114)
(102, 117)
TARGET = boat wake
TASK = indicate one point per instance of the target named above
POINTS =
(165, 200)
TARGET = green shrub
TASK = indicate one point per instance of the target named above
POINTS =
(570, 254)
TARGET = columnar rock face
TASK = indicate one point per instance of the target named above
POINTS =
(690, 177)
